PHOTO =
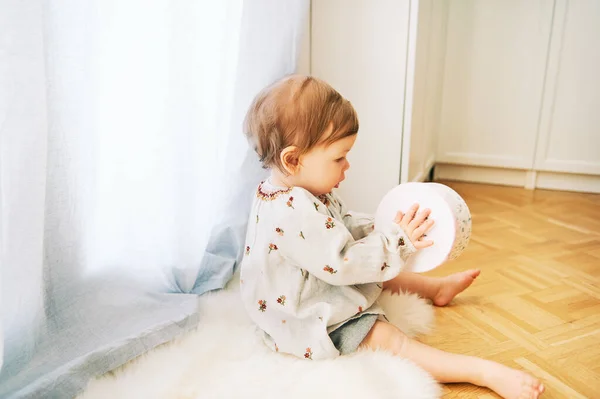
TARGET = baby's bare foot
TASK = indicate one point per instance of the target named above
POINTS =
(512, 384)
(453, 285)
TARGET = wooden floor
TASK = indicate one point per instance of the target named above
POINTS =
(536, 305)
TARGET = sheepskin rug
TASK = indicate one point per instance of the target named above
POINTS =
(225, 358)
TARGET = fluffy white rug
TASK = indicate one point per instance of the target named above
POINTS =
(225, 358)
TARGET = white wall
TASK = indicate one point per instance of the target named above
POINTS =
(304, 51)
(426, 58)
(360, 48)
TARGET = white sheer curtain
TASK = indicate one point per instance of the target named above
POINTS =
(121, 154)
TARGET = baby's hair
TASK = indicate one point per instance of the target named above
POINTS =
(297, 110)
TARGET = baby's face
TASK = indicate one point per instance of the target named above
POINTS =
(324, 167)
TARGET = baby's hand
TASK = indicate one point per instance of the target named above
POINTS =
(416, 225)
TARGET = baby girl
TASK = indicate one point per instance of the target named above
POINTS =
(312, 270)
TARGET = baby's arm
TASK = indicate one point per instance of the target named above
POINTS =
(324, 247)
(359, 224)
(414, 223)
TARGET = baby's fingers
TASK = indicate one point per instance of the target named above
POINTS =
(422, 229)
(419, 218)
(398, 218)
(410, 215)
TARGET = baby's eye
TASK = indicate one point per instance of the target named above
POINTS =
(340, 159)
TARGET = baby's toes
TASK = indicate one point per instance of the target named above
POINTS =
(539, 387)
(532, 388)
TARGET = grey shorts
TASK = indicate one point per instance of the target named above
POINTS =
(348, 336)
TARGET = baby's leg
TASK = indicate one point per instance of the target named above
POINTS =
(441, 290)
(448, 367)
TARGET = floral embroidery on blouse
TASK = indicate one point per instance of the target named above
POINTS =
(329, 224)
(272, 247)
(330, 269)
(281, 300)
(262, 305)
(270, 196)
(308, 354)
(290, 202)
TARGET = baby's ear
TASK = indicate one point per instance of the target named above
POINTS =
(290, 159)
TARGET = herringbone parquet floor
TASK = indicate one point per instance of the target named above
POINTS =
(536, 305)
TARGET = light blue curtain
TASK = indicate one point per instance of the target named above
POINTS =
(125, 180)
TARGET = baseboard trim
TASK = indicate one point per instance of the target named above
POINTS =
(518, 177)
(426, 173)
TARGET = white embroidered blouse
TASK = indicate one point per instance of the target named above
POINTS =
(310, 266)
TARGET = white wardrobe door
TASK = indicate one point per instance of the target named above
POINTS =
(493, 82)
(570, 123)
